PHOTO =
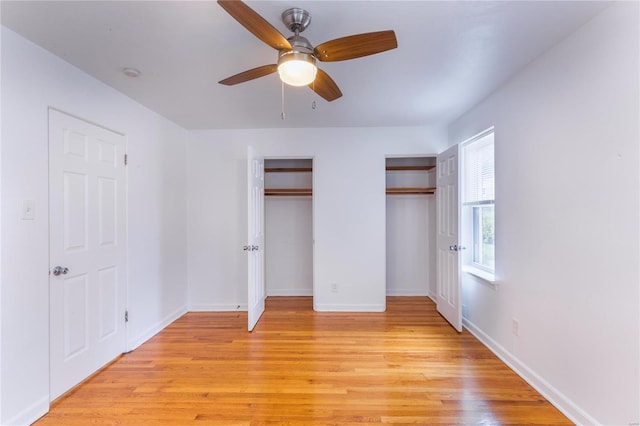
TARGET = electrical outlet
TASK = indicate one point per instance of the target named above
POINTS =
(334, 287)
(515, 327)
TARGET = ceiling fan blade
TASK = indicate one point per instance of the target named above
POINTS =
(356, 46)
(249, 75)
(324, 86)
(255, 23)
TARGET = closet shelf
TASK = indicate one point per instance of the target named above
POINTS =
(287, 192)
(287, 169)
(297, 192)
(393, 168)
(409, 190)
(310, 169)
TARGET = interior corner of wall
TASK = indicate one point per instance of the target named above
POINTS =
(29, 414)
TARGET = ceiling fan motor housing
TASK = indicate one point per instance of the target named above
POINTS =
(300, 44)
(301, 50)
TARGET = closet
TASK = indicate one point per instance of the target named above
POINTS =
(288, 227)
(411, 226)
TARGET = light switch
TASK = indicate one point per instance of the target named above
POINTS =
(28, 209)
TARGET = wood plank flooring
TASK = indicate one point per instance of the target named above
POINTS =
(405, 366)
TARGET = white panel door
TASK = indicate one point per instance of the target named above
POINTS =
(257, 291)
(87, 239)
(448, 263)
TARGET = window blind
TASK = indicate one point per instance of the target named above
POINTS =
(479, 178)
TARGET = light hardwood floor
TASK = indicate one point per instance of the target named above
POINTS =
(405, 366)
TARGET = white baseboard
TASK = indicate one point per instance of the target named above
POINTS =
(576, 414)
(348, 308)
(218, 308)
(30, 414)
(406, 292)
(134, 342)
(293, 292)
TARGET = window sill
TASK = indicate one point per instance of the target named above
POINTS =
(486, 277)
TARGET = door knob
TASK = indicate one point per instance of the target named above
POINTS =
(60, 270)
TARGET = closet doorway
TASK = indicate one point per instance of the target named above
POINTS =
(411, 226)
(289, 227)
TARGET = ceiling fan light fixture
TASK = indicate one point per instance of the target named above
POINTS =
(297, 68)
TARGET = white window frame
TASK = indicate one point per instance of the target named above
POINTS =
(467, 207)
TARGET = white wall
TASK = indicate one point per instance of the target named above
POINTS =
(32, 81)
(567, 193)
(289, 246)
(0, 233)
(349, 209)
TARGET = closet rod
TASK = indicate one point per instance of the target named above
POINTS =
(287, 192)
(287, 169)
(411, 193)
(293, 194)
(404, 189)
(410, 167)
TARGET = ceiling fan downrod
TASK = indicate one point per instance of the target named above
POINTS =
(296, 19)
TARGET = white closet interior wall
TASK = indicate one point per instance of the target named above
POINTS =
(288, 232)
(411, 230)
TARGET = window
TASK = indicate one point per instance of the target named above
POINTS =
(478, 200)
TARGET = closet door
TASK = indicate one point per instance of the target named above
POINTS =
(449, 301)
(256, 292)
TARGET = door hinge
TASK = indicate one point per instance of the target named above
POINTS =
(126, 159)
(126, 316)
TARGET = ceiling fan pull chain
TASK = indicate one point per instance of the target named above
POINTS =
(282, 114)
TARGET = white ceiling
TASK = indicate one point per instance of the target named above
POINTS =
(450, 55)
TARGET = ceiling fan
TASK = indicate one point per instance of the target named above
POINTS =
(296, 56)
